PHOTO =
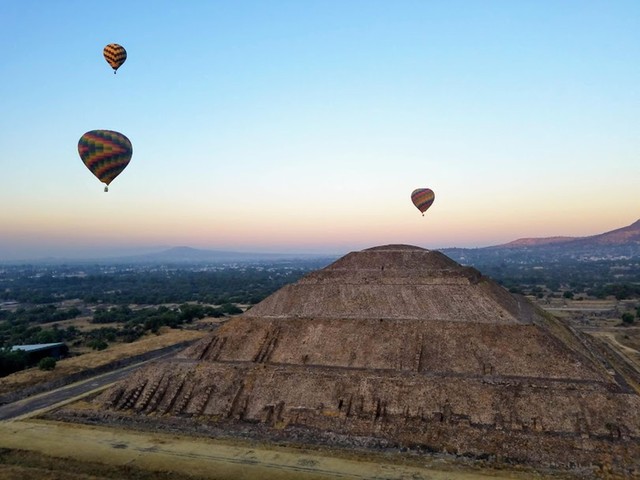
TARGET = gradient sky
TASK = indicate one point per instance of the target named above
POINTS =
(303, 125)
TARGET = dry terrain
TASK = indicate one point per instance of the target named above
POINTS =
(51, 450)
(601, 319)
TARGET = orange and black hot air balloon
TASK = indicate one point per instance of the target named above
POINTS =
(422, 198)
(115, 55)
(105, 153)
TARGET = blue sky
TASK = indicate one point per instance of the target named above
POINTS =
(305, 125)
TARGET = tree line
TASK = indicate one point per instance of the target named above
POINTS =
(126, 286)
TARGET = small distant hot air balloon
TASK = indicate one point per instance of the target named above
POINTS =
(105, 153)
(422, 198)
(115, 55)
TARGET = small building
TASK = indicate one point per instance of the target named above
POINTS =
(38, 351)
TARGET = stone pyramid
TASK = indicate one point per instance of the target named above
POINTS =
(398, 346)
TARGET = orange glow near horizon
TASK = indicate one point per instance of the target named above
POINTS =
(302, 232)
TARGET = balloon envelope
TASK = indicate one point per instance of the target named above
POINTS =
(115, 55)
(422, 198)
(105, 153)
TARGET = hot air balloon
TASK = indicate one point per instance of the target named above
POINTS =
(105, 153)
(115, 55)
(422, 198)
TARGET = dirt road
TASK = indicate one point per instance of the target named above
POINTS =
(631, 354)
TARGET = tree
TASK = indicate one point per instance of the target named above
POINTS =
(97, 344)
(48, 336)
(230, 309)
(12, 361)
(628, 318)
(47, 363)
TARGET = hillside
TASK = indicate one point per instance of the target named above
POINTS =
(622, 243)
(621, 236)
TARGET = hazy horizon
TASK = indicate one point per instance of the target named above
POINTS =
(305, 126)
(80, 252)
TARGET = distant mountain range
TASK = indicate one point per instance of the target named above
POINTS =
(616, 244)
(629, 235)
(185, 255)
(194, 255)
(620, 243)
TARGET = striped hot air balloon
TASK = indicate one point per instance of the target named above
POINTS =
(105, 153)
(115, 55)
(422, 198)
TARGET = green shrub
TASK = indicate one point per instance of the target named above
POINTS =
(97, 344)
(47, 363)
(230, 309)
(628, 318)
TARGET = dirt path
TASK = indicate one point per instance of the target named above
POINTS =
(631, 354)
(211, 459)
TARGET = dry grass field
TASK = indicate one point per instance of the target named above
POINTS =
(53, 451)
